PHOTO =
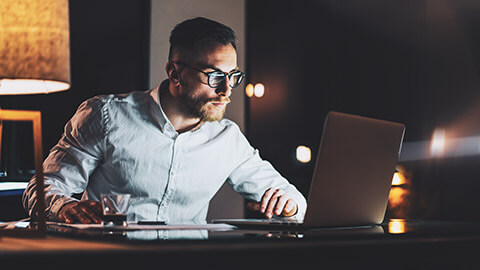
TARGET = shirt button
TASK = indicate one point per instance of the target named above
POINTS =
(164, 204)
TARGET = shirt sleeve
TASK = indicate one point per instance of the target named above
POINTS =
(74, 158)
(254, 176)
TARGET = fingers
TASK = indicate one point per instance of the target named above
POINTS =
(278, 202)
(89, 215)
(266, 199)
(66, 217)
(81, 212)
(275, 203)
(280, 206)
(290, 208)
(82, 216)
(97, 211)
(65, 213)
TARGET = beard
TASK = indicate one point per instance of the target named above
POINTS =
(201, 107)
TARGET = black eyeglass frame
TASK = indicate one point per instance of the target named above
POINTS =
(217, 72)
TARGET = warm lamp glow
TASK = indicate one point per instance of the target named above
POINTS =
(249, 90)
(398, 179)
(259, 90)
(34, 58)
(20, 86)
(34, 46)
(304, 154)
(396, 226)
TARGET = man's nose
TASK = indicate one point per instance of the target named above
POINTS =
(224, 88)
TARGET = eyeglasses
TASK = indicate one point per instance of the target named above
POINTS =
(216, 78)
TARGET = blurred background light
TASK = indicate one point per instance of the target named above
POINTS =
(396, 226)
(304, 154)
(437, 147)
(398, 179)
(249, 90)
(259, 90)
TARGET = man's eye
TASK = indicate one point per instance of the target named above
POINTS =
(217, 75)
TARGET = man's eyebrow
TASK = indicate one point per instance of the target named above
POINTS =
(217, 69)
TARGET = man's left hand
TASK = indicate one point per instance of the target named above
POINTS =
(275, 201)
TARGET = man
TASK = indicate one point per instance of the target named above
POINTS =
(168, 147)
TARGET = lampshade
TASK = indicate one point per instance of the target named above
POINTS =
(34, 46)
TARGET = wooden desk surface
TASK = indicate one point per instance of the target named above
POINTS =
(52, 244)
(456, 248)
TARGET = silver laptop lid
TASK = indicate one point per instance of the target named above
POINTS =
(354, 169)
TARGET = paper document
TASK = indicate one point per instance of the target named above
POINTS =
(133, 226)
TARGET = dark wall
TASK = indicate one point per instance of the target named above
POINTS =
(409, 61)
(109, 43)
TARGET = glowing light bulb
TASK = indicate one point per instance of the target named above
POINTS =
(304, 154)
(259, 90)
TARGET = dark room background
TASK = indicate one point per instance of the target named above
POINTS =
(413, 61)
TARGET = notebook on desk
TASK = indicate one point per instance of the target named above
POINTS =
(352, 177)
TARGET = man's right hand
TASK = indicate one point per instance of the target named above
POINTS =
(81, 212)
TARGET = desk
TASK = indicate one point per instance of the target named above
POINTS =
(432, 245)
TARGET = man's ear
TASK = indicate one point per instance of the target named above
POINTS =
(172, 73)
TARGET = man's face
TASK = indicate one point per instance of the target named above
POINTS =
(198, 98)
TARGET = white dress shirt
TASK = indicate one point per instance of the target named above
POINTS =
(126, 144)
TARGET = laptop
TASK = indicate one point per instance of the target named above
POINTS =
(352, 177)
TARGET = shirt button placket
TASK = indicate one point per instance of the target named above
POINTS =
(171, 182)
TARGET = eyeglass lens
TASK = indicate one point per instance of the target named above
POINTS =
(216, 78)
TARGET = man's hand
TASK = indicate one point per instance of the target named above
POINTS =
(275, 201)
(81, 212)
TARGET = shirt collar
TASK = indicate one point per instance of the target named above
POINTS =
(157, 110)
(160, 115)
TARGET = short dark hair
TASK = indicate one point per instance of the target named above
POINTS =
(193, 35)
